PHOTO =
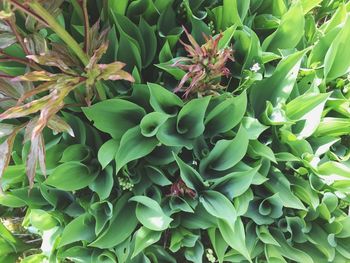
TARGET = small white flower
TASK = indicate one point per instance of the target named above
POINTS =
(255, 67)
(194, 162)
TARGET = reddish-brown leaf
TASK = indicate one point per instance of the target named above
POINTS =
(58, 125)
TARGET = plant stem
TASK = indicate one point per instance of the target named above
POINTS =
(19, 38)
(86, 26)
(27, 11)
(60, 31)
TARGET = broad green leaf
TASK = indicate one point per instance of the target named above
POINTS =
(191, 116)
(42, 220)
(103, 184)
(309, 5)
(230, 15)
(226, 115)
(333, 127)
(257, 149)
(118, 6)
(151, 122)
(133, 146)
(265, 235)
(337, 60)
(278, 183)
(279, 86)
(107, 152)
(145, 237)
(218, 205)
(79, 229)
(123, 219)
(319, 51)
(236, 183)
(70, 176)
(163, 100)
(77, 152)
(102, 212)
(150, 214)
(150, 40)
(219, 244)
(189, 175)
(226, 153)
(288, 251)
(307, 107)
(253, 127)
(234, 235)
(114, 116)
(289, 32)
(334, 170)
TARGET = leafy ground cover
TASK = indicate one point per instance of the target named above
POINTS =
(175, 131)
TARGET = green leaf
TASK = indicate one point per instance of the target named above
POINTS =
(42, 220)
(103, 184)
(253, 127)
(217, 120)
(163, 100)
(333, 127)
(151, 122)
(289, 32)
(107, 152)
(190, 118)
(150, 40)
(234, 235)
(133, 146)
(189, 175)
(77, 152)
(309, 4)
(123, 219)
(257, 149)
(337, 60)
(279, 86)
(145, 237)
(218, 205)
(150, 214)
(70, 176)
(236, 183)
(219, 244)
(230, 14)
(114, 116)
(278, 183)
(79, 229)
(226, 153)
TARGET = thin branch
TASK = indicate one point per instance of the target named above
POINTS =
(28, 11)
(83, 4)
(8, 58)
(6, 76)
(19, 38)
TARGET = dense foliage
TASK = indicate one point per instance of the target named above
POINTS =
(175, 131)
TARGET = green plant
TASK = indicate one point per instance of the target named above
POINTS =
(257, 171)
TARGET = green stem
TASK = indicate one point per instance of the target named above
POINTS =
(60, 31)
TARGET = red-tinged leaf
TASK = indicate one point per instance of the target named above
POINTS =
(58, 125)
(29, 129)
(114, 71)
(26, 109)
(32, 159)
(98, 53)
(193, 42)
(52, 60)
(8, 89)
(6, 40)
(41, 154)
(41, 88)
(39, 76)
(6, 129)
(6, 150)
